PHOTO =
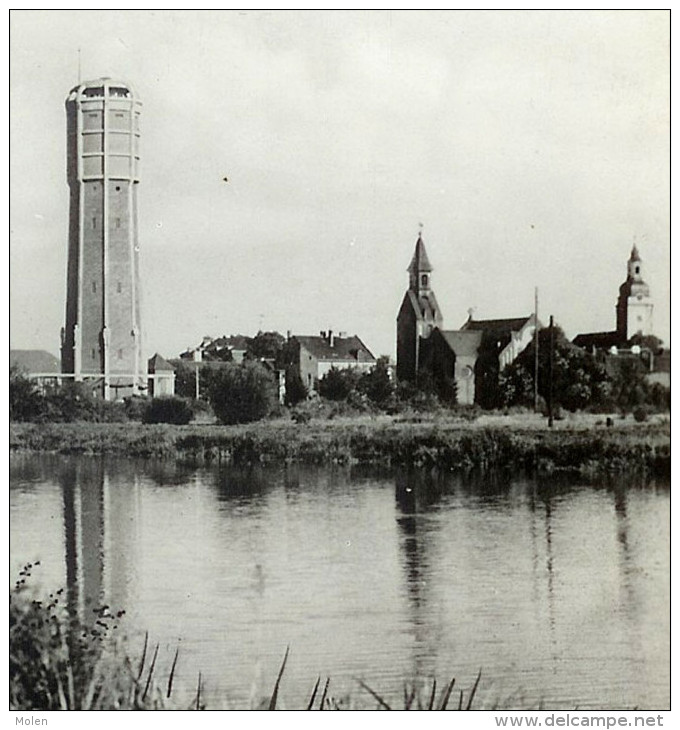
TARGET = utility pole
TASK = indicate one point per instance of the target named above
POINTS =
(536, 350)
(552, 357)
(198, 379)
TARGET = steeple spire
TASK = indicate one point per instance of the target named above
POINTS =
(420, 262)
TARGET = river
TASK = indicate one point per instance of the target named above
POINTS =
(557, 590)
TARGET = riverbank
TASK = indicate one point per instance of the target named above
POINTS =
(579, 444)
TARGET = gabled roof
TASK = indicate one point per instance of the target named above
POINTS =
(34, 361)
(157, 363)
(344, 348)
(419, 262)
(462, 342)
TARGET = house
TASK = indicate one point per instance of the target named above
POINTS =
(43, 368)
(314, 356)
(161, 377)
(463, 362)
(213, 349)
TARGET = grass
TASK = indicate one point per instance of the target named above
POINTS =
(582, 445)
(59, 662)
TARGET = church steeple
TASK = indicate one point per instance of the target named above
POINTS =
(418, 316)
(634, 309)
(420, 269)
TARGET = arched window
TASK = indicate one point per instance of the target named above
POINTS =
(423, 280)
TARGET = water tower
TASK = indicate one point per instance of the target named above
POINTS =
(101, 342)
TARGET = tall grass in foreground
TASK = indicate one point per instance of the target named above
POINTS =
(60, 662)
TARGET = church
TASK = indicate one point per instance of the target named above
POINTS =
(459, 363)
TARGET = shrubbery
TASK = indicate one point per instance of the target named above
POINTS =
(242, 393)
(169, 409)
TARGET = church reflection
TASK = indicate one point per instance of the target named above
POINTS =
(100, 516)
(416, 492)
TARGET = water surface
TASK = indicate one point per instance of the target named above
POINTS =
(558, 591)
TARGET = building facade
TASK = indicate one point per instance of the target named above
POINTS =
(313, 356)
(101, 339)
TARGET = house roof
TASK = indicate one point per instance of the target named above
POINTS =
(344, 348)
(34, 361)
(158, 362)
(598, 340)
(461, 342)
(420, 262)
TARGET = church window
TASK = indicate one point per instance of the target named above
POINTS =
(93, 353)
(423, 280)
(94, 287)
(94, 222)
(119, 287)
(120, 354)
(117, 222)
(637, 269)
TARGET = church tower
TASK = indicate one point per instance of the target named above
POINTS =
(101, 340)
(634, 308)
(418, 315)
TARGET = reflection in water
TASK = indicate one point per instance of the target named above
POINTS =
(99, 517)
(548, 587)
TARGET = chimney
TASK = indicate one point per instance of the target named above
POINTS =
(331, 338)
(288, 336)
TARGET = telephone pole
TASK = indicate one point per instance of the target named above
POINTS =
(536, 350)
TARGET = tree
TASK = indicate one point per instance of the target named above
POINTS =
(377, 384)
(629, 387)
(185, 379)
(265, 345)
(337, 383)
(295, 388)
(25, 402)
(578, 379)
(242, 393)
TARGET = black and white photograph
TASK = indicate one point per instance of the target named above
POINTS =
(340, 363)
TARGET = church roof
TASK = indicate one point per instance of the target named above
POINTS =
(420, 262)
(462, 342)
(598, 340)
(344, 348)
(634, 254)
(34, 361)
(496, 325)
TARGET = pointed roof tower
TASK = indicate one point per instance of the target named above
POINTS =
(419, 262)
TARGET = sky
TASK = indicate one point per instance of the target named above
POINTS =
(532, 146)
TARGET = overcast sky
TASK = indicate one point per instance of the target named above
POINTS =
(533, 146)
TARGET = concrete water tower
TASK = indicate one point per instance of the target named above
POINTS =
(101, 341)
